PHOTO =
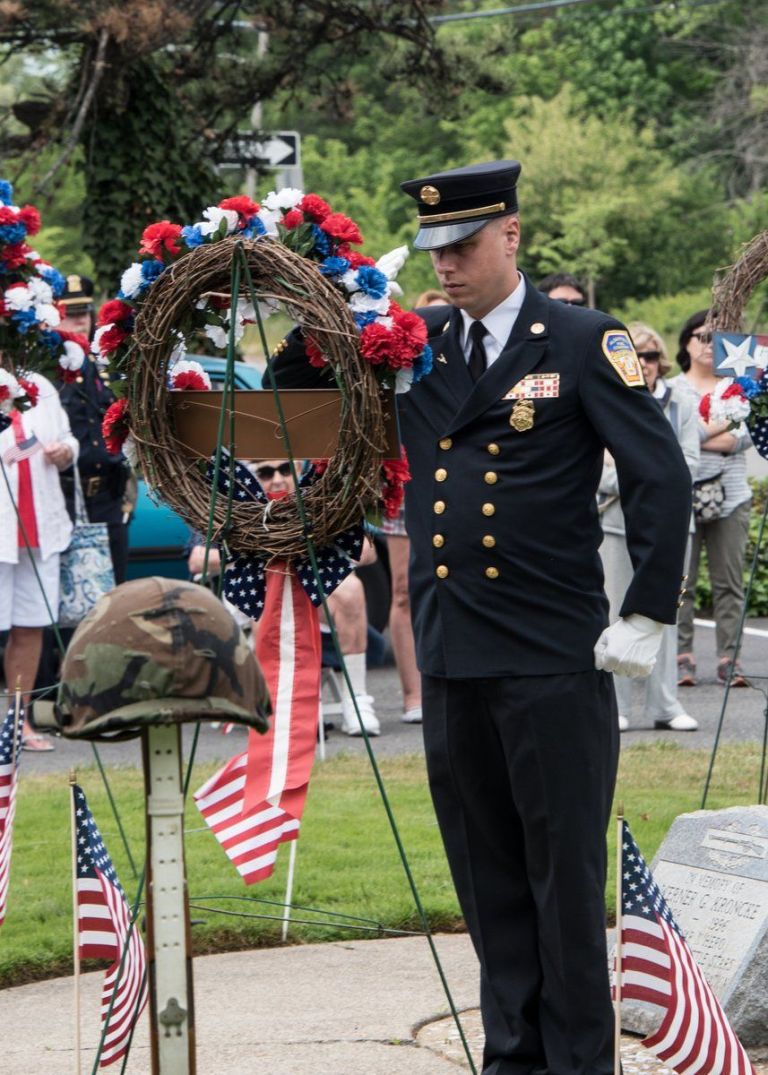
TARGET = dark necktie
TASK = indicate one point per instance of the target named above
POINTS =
(477, 356)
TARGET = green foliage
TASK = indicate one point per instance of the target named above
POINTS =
(758, 595)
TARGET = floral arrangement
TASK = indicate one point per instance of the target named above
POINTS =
(392, 341)
(30, 337)
(740, 399)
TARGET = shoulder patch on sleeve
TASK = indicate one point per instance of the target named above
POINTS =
(620, 352)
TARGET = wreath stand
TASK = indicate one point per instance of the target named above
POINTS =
(729, 297)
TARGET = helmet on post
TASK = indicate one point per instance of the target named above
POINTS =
(158, 651)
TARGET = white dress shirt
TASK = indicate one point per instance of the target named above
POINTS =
(499, 322)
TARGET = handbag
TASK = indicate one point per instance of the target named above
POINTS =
(708, 498)
(85, 567)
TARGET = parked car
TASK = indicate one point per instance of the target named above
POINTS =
(157, 536)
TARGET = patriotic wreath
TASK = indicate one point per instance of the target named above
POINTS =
(742, 398)
(299, 256)
(30, 337)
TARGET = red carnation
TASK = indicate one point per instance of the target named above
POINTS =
(342, 228)
(319, 466)
(396, 472)
(376, 342)
(189, 380)
(113, 312)
(315, 208)
(5, 393)
(704, 405)
(314, 354)
(30, 218)
(733, 390)
(110, 340)
(355, 259)
(242, 205)
(15, 255)
(114, 427)
(7, 215)
(157, 237)
(31, 389)
(292, 219)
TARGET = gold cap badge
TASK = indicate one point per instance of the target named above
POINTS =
(430, 195)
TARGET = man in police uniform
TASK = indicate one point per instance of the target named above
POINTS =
(505, 440)
(103, 476)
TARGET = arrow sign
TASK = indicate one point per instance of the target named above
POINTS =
(278, 149)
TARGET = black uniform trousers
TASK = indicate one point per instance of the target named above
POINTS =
(522, 772)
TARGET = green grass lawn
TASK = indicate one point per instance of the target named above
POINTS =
(347, 862)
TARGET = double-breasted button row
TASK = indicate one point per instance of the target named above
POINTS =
(442, 572)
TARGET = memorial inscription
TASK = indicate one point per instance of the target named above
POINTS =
(713, 870)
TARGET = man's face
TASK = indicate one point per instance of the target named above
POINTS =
(566, 293)
(479, 272)
(78, 322)
(275, 476)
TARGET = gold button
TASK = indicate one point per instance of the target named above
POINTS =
(491, 477)
(445, 443)
(493, 449)
(441, 474)
(439, 507)
(491, 572)
(438, 541)
(489, 509)
(489, 541)
(441, 571)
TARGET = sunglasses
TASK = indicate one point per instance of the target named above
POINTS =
(702, 337)
(649, 356)
(572, 302)
(266, 473)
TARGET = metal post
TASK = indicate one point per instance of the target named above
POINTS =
(172, 1035)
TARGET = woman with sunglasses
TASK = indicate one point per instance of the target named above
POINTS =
(723, 534)
(662, 706)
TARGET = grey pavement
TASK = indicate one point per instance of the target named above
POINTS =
(744, 718)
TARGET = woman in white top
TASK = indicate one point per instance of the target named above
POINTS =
(34, 529)
(725, 537)
(662, 706)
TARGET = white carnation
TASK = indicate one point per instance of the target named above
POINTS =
(361, 303)
(46, 312)
(131, 282)
(285, 199)
(7, 380)
(213, 218)
(40, 290)
(73, 356)
(270, 220)
(18, 298)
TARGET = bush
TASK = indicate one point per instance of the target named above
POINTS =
(758, 596)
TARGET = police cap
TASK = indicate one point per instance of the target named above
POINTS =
(77, 296)
(456, 204)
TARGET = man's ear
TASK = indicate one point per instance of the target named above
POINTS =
(512, 233)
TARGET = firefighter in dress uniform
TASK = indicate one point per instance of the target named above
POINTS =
(505, 440)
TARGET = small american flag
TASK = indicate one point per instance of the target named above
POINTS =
(658, 967)
(104, 930)
(23, 449)
(9, 768)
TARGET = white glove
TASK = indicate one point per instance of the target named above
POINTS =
(629, 647)
(391, 264)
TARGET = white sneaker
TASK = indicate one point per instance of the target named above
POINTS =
(681, 723)
(350, 725)
(412, 716)
(623, 723)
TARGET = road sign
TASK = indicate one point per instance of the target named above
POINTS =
(276, 149)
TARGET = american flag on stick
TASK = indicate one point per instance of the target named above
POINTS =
(106, 931)
(255, 802)
(657, 966)
(23, 449)
(10, 748)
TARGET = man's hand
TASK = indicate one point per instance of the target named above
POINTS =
(629, 647)
(59, 454)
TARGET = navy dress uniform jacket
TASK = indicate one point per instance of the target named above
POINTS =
(505, 575)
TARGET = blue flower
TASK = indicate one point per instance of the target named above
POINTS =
(422, 364)
(364, 318)
(150, 270)
(254, 228)
(750, 387)
(192, 235)
(6, 192)
(12, 233)
(322, 241)
(24, 319)
(334, 266)
(371, 281)
(51, 340)
(55, 279)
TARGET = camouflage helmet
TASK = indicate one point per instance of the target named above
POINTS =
(157, 651)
